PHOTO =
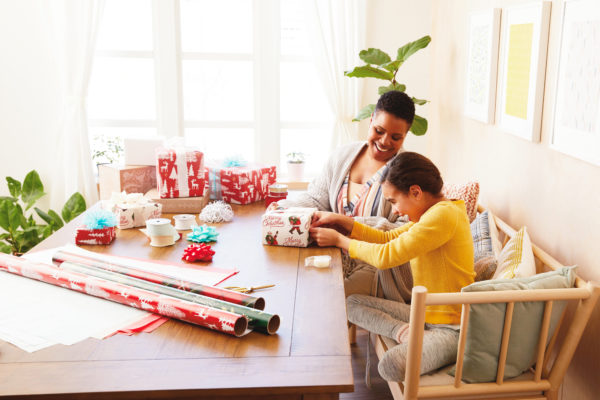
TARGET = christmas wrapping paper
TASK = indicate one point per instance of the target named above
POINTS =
(84, 235)
(241, 185)
(132, 210)
(219, 320)
(98, 261)
(180, 172)
(257, 320)
(287, 227)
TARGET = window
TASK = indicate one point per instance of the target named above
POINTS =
(234, 77)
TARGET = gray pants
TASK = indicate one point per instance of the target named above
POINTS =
(387, 318)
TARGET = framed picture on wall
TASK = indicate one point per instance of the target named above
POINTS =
(482, 65)
(577, 106)
(523, 45)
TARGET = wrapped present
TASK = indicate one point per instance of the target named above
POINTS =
(287, 227)
(179, 172)
(98, 228)
(125, 178)
(241, 184)
(189, 205)
(132, 210)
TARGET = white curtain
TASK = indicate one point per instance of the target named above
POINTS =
(336, 30)
(73, 26)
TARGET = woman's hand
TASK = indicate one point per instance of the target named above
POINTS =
(339, 222)
(326, 237)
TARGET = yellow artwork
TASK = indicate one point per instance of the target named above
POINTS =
(518, 69)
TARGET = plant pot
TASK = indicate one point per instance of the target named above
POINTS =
(295, 171)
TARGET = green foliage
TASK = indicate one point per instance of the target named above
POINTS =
(21, 232)
(106, 149)
(381, 66)
(295, 157)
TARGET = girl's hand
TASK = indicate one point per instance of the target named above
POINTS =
(326, 237)
(339, 222)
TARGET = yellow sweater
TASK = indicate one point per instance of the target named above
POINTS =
(439, 247)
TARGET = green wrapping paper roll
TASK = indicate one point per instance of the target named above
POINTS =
(257, 320)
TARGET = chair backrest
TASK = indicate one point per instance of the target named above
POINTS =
(547, 376)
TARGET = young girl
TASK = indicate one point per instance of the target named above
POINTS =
(439, 245)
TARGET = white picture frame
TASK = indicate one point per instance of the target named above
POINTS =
(523, 48)
(482, 65)
(576, 125)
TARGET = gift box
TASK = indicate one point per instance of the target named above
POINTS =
(142, 151)
(132, 210)
(185, 205)
(241, 185)
(179, 172)
(287, 227)
(85, 235)
(127, 178)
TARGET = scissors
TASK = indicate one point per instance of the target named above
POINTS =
(245, 289)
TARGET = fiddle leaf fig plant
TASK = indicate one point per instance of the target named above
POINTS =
(381, 66)
(22, 232)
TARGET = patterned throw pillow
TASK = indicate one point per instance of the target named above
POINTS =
(486, 245)
(516, 259)
(469, 192)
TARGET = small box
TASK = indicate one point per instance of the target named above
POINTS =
(241, 185)
(141, 151)
(125, 178)
(182, 205)
(84, 235)
(287, 227)
(180, 172)
(132, 210)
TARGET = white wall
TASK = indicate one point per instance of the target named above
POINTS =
(390, 25)
(29, 99)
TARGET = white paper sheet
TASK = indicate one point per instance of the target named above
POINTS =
(35, 315)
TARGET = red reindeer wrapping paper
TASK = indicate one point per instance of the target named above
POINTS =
(241, 185)
(180, 173)
(287, 227)
(219, 320)
(84, 235)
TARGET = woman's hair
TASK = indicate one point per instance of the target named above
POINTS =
(408, 168)
(398, 104)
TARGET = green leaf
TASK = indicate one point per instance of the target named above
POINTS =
(368, 71)
(392, 65)
(419, 101)
(11, 199)
(4, 211)
(15, 217)
(411, 48)
(73, 207)
(47, 231)
(57, 221)
(394, 86)
(33, 189)
(44, 215)
(374, 56)
(419, 126)
(4, 236)
(4, 248)
(364, 113)
(14, 186)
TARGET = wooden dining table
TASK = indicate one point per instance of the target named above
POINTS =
(308, 357)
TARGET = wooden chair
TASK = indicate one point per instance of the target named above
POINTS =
(541, 382)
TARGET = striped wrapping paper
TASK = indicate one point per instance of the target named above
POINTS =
(222, 321)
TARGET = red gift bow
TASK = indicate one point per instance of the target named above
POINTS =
(198, 252)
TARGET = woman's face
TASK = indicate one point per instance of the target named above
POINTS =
(386, 135)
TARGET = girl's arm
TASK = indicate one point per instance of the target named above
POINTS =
(433, 230)
(366, 233)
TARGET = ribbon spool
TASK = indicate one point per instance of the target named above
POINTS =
(161, 232)
(184, 222)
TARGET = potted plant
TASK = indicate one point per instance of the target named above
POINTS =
(295, 166)
(107, 149)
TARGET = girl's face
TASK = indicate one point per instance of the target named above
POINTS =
(386, 135)
(409, 204)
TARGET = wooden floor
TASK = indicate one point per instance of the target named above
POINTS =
(379, 388)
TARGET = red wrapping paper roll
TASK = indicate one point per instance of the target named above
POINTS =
(124, 268)
(219, 320)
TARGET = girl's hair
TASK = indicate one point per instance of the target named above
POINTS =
(408, 168)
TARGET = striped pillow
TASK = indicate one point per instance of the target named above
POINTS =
(516, 259)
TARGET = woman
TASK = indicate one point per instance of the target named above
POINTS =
(350, 184)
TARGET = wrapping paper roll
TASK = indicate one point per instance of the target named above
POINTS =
(219, 320)
(258, 320)
(127, 268)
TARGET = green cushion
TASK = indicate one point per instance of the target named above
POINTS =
(486, 322)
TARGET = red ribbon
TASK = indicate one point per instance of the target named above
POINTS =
(198, 252)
